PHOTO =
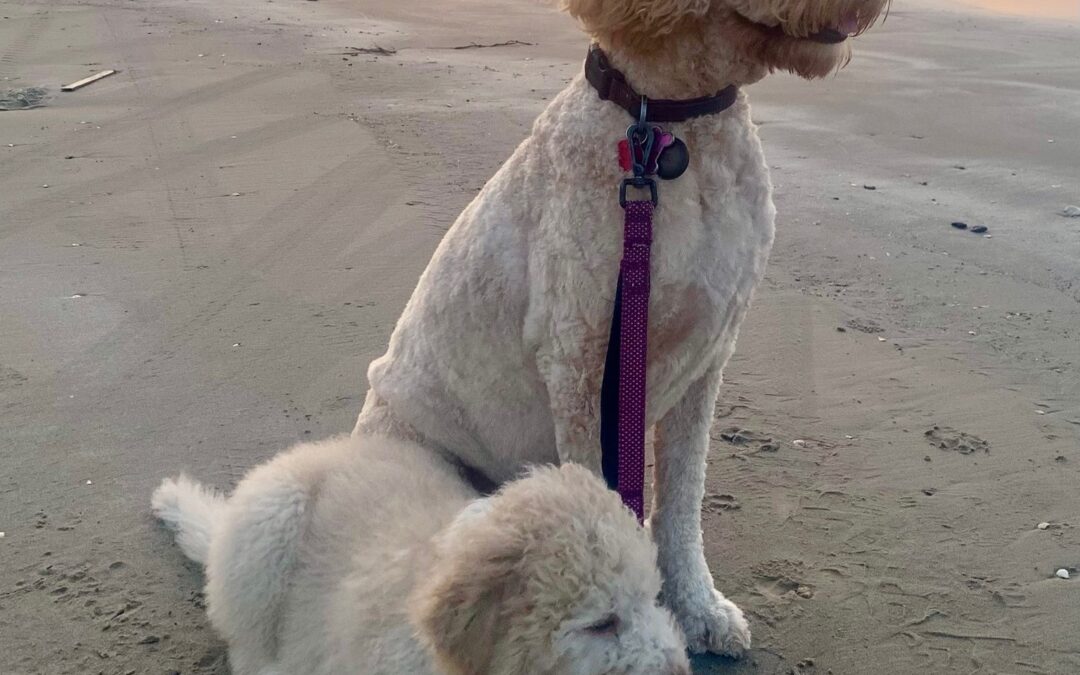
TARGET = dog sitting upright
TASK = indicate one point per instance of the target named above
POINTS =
(510, 321)
(369, 556)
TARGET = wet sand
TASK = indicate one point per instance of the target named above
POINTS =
(1047, 9)
(233, 223)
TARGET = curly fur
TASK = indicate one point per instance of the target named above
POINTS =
(707, 44)
(554, 553)
(498, 357)
(373, 556)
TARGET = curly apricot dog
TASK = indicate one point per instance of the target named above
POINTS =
(376, 557)
(498, 359)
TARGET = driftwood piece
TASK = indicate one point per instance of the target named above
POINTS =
(508, 43)
(87, 80)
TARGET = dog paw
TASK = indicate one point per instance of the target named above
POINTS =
(714, 624)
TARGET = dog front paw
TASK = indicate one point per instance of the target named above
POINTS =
(712, 623)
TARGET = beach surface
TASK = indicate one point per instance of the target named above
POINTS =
(200, 254)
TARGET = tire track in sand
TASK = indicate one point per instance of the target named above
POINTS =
(11, 57)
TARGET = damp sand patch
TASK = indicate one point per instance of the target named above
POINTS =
(23, 99)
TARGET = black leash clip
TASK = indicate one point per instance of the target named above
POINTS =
(640, 135)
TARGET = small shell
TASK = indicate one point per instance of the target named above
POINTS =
(1043, 526)
(1062, 573)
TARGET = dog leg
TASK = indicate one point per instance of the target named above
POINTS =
(575, 398)
(710, 621)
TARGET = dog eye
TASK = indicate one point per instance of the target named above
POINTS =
(607, 626)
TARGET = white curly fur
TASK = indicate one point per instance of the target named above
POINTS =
(498, 357)
(373, 556)
(191, 510)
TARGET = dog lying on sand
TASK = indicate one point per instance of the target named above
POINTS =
(511, 319)
(373, 556)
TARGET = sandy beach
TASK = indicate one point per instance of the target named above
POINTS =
(200, 255)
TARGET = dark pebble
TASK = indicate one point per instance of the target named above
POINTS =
(150, 640)
(960, 226)
(980, 229)
(869, 187)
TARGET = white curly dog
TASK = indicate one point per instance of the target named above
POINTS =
(376, 557)
(497, 360)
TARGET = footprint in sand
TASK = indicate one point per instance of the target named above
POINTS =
(951, 439)
(746, 438)
(805, 667)
(779, 580)
(11, 377)
(868, 326)
(720, 503)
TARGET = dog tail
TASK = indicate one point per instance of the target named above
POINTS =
(191, 510)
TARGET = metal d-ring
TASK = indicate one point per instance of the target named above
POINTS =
(638, 182)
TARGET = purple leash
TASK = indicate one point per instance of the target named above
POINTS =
(622, 398)
(633, 352)
(650, 152)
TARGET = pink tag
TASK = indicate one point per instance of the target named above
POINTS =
(664, 140)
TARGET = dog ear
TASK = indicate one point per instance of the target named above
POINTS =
(459, 610)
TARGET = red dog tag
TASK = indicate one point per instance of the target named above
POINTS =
(624, 155)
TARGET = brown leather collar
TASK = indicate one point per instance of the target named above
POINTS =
(612, 86)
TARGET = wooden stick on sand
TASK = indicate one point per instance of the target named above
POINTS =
(87, 80)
